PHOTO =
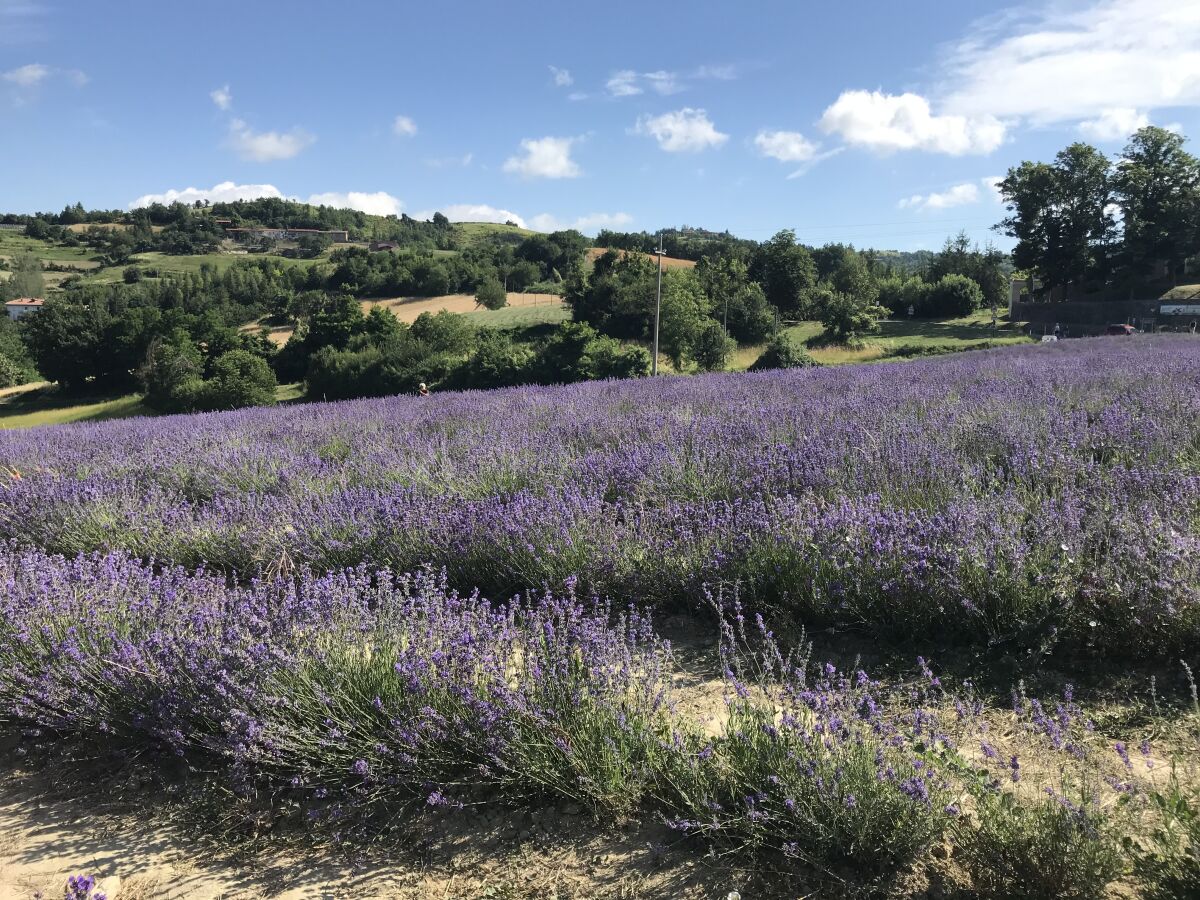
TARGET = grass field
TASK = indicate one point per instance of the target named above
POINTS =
(33, 405)
(549, 313)
(179, 265)
(472, 233)
(953, 334)
(51, 410)
(12, 244)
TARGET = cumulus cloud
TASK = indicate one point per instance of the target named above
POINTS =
(686, 130)
(548, 157)
(222, 97)
(225, 192)
(785, 146)
(379, 203)
(562, 77)
(588, 224)
(403, 126)
(888, 122)
(267, 146)
(992, 184)
(1073, 62)
(959, 195)
(1114, 124)
(472, 212)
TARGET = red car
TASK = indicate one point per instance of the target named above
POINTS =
(1120, 329)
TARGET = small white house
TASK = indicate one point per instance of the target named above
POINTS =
(22, 306)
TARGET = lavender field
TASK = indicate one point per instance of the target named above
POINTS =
(293, 601)
(995, 497)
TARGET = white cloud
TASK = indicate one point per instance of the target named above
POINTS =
(716, 73)
(562, 77)
(1073, 62)
(472, 212)
(225, 192)
(1114, 124)
(959, 195)
(992, 184)
(577, 96)
(267, 146)
(380, 203)
(548, 157)
(664, 83)
(588, 224)
(888, 122)
(222, 97)
(623, 83)
(404, 126)
(684, 131)
(27, 76)
(785, 146)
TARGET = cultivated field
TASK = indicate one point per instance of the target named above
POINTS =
(265, 624)
(668, 262)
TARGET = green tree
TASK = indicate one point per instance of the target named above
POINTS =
(491, 295)
(239, 379)
(786, 272)
(445, 332)
(847, 317)
(683, 315)
(712, 348)
(334, 322)
(953, 296)
(735, 300)
(26, 279)
(1060, 216)
(495, 362)
(1157, 185)
(171, 375)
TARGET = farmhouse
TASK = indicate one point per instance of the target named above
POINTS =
(23, 306)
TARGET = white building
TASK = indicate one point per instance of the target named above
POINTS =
(22, 306)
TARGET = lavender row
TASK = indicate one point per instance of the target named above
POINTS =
(999, 496)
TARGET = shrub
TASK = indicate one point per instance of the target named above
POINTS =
(1053, 848)
(952, 296)
(1169, 866)
(847, 317)
(239, 379)
(782, 353)
(10, 373)
(491, 295)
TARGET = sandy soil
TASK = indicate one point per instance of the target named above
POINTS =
(46, 836)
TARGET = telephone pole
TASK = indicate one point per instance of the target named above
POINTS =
(657, 308)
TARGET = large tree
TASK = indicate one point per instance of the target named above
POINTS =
(786, 272)
(1061, 216)
(1157, 184)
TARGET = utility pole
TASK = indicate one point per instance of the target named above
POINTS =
(657, 308)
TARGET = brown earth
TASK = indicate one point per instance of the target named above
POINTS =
(668, 262)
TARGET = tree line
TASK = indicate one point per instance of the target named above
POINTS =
(1086, 223)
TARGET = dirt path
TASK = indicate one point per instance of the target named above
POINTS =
(47, 836)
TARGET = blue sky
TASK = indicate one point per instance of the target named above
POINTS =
(880, 124)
